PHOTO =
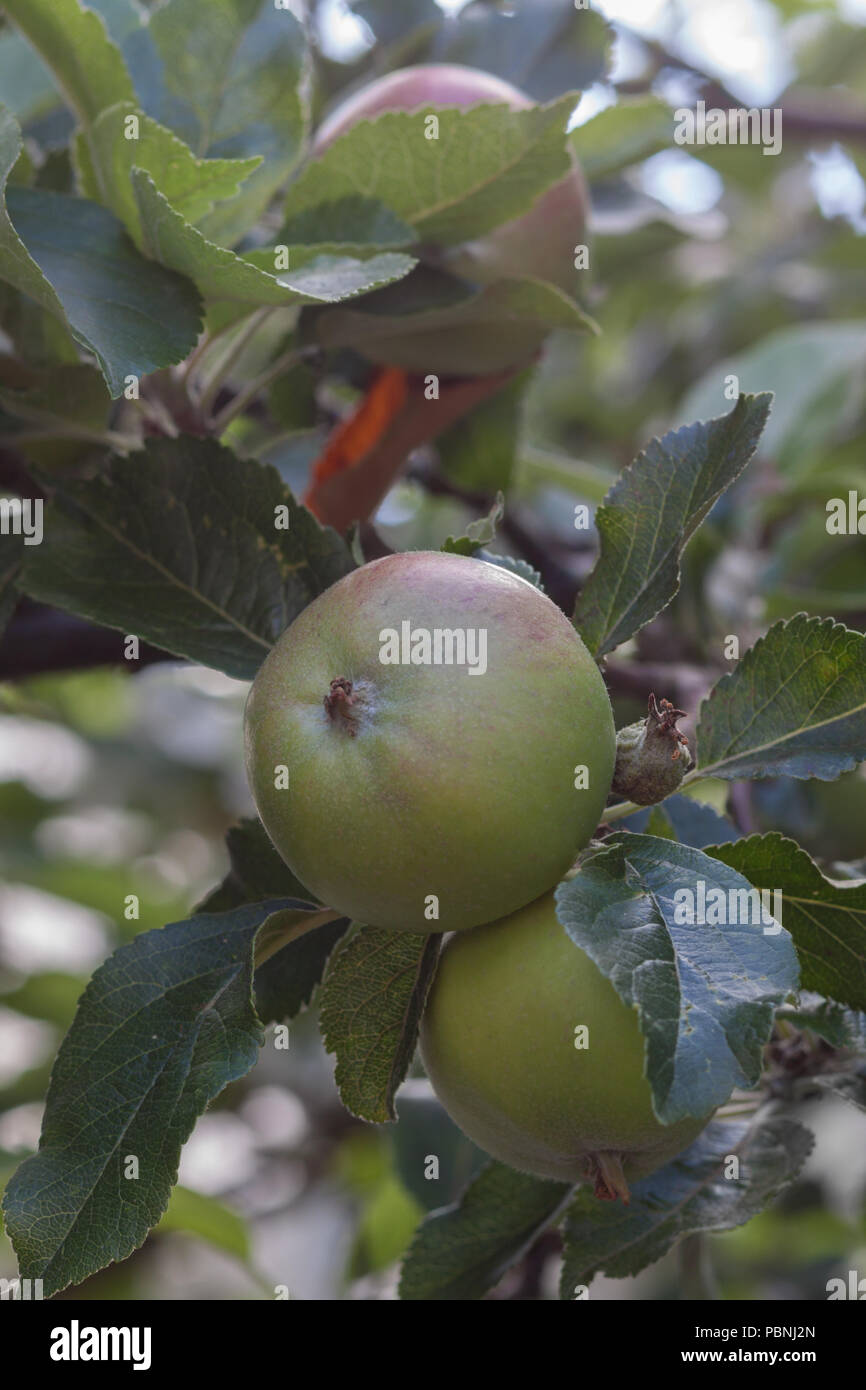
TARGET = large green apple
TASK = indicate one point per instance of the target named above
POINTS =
(540, 244)
(429, 796)
(498, 1043)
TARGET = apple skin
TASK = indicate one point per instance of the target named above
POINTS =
(440, 782)
(497, 1041)
(539, 244)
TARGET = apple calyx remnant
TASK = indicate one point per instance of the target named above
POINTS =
(605, 1171)
(652, 756)
(338, 704)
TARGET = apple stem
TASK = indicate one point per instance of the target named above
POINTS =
(610, 1180)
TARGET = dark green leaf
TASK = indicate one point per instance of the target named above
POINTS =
(372, 1001)
(694, 1193)
(650, 514)
(74, 258)
(463, 1251)
(161, 1029)
(178, 545)
(74, 43)
(827, 920)
(705, 993)
(542, 46)
(794, 705)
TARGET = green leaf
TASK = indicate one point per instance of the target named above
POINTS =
(284, 984)
(705, 993)
(164, 1025)
(106, 160)
(521, 568)
(179, 545)
(529, 304)
(74, 259)
(542, 46)
(478, 533)
(55, 412)
(197, 1215)
(351, 222)
(488, 166)
(232, 86)
(803, 366)
(257, 871)
(650, 514)
(74, 43)
(372, 1000)
(463, 1250)
(479, 452)
(794, 706)
(693, 1193)
(623, 135)
(220, 274)
(689, 821)
(827, 920)
(29, 88)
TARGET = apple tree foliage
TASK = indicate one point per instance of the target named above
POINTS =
(161, 235)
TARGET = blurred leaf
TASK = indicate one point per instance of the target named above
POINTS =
(372, 1000)
(53, 412)
(50, 995)
(542, 46)
(623, 135)
(651, 513)
(210, 1220)
(463, 1251)
(690, 822)
(74, 43)
(425, 1130)
(693, 1193)
(798, 365)
(391, 23)
(795, 706)
(531, 305)
(488, 166)
(385, 1229)
(178, 544)
(478, 533)
(839, 1026)
(827, 920)
(161, 1029)
(479, 452)
(232, 88)
(705, 993)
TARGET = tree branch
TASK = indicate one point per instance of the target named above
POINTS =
(39, 640)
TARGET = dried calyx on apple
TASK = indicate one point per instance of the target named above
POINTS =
(652, 756)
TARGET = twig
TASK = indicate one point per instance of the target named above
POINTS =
(239, 403)
(41, 639)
